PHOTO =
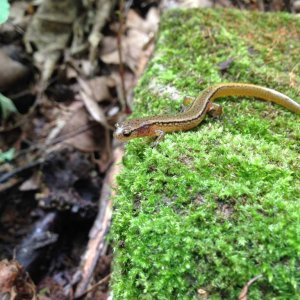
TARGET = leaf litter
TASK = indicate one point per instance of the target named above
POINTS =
(69, 79)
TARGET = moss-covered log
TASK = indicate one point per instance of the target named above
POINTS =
(213, 207)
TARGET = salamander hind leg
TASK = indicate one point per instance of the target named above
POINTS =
(215, 110)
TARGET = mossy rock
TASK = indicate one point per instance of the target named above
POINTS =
(213, 207)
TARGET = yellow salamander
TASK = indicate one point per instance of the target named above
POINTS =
(196, 112)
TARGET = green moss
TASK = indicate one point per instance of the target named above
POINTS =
(213, 207)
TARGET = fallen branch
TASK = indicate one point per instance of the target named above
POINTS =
(96, 245)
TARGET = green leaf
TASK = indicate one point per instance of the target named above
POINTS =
(4, 10)
(7, 106)
(8, 155)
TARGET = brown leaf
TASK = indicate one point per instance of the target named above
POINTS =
(91, 137)
(17, 12)
(186, 3)
(15, 283)
(8, 274)
(135, 42)
(148, 25)
(94, 109)
(129, 81)
(91, 105)
(296, 6)
(134, 20)
(99, 88)
(31, 184)
(108, 45)
(111, 57)
(132, 49)
(203, 294)
(49, 32)
(152, 20)
(11, 72)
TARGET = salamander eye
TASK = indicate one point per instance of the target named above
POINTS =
(127, 132)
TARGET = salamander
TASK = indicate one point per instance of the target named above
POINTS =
(196, 112)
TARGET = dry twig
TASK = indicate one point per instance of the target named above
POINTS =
(244, 293)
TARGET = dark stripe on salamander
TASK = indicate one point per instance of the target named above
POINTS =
(166, 123)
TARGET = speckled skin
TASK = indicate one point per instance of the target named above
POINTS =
(193, 116)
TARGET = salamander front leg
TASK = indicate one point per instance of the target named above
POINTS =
(215, 110)
(160, 135)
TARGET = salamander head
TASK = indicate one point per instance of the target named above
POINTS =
(131, 129)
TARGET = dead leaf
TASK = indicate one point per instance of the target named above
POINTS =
(15, 283)
(296, 6)
(108, 45)
(91, 105)
(103, 9)
(112, 57)
(140, 33)
(8, 275)
(129, 81)
(148, 25)
(152, 20)
(135, 42)
(90, 140)
(11, 72)
(203, 294)
(170, 4)
(17, 12)
(49, 32)
(143, 61)
(31, 184)
(134, 20)
(99, 88)
(132, 50)
(94, 109)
